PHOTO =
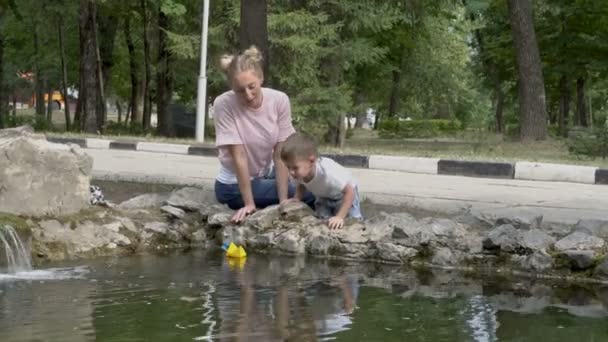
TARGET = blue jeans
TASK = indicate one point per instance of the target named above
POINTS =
(264, 193)
(326, 208)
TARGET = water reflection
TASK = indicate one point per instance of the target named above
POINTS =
(204, 297)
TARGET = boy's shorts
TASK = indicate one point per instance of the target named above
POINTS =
(326, 208)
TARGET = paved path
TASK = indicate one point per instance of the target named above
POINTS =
(557, 201)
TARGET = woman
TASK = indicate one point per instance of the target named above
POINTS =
(251, 124)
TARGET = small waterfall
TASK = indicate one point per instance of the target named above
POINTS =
(17, 257)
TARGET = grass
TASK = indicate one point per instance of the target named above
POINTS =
(467, 145)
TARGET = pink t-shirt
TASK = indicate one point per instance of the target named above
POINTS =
(258, 130)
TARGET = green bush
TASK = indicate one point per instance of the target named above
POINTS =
(393, 128)
(592, 142)
(122, 128)
(20, 120)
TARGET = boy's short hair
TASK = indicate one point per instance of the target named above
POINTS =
(298, 146)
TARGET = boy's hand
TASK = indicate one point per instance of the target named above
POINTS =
(335, 222)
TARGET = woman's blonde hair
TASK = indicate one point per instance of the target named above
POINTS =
(250, 59)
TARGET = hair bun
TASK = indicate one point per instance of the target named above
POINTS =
(225, 62)
(253, 53)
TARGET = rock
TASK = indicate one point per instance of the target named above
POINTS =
(535, 240)
(392, 252)
(351, 234)
(173, 211)
(353, 251)
(537, 261)
(412, 235)
(209, 210)
(191, 199)
(321, 244)
(144, 201)
(263, 219)
(602, 269)
(443, 228)
(291, 242)
(295, 211)
(40, 178)
(199, 236)
(445, 257)
(55, 240)
(128, 224)
(262, 241)
(475, 221)
(240, 234)
(504, 237)
(597, 228)
(395, 219)
(159, 233)
(579, 241)
(522, 221)
(219, 219)
(580, 260)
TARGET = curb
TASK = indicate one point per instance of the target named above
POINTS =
(518, 170)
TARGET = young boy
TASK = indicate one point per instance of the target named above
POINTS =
(337, 196)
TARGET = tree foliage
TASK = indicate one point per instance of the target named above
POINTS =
(422, 59)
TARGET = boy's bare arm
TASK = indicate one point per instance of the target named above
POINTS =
(299, 192)
(347, 202)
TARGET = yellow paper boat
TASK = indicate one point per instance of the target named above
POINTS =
(236, 263)
(235, 252)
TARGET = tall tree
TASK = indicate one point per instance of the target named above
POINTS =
(88, 89)
(164, 80)
(64, 73)
(532, 107)
(134, 109)
(147, 113)
(254, 30)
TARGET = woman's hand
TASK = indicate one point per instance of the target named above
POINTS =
(242, 213)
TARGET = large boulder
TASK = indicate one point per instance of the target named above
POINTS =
(40, 178)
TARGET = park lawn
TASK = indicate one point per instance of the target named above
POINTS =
(489, 148)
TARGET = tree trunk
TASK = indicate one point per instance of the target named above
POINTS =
(39, 91)
(135, 110)
(101, 93)
(146, 88)
(64, 76)
(119, 110)
(3, 90)
(88, 90)
(361, 110)
(164, 80)
(395, 91)
(341, 133)
(49, 102)
(107, 27)
(581, 109)
(564, 106)
(532, 107)
(254, 30)
(498, 113)
(14, 105)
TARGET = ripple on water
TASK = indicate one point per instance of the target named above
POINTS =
(78, 272)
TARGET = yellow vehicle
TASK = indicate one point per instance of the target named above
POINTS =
(56, 100)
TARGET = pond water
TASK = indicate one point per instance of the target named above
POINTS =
(203, 296)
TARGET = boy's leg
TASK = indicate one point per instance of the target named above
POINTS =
(355, 209)
(323, 208)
